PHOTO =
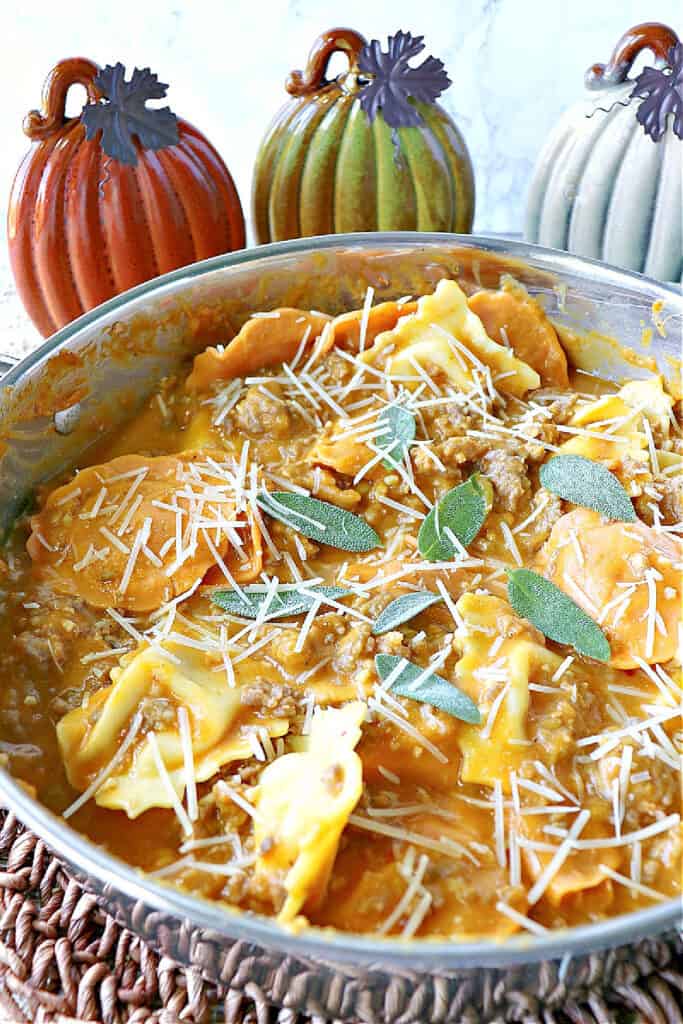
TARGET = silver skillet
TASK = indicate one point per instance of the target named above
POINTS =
(91, 376)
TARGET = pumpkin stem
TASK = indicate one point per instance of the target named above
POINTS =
(651, 35)
(39, 124)
(336, 40)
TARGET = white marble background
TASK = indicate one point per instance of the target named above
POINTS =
(515, 65)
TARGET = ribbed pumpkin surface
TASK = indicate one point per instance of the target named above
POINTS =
(84, 227)
(602, 188)
(322, 168)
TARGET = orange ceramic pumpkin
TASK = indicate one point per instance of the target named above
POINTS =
(84, 224)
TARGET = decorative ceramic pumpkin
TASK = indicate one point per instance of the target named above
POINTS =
(606, 187)
(334, 159)
(113, 197)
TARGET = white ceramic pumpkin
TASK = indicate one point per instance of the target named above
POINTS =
(604, 188)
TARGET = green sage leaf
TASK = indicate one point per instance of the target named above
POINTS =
(558, 617)
(435, 690)
(462, 512)
(403, 609)
(319, 520)
(282, 603)
(590, 484)
(400, 433)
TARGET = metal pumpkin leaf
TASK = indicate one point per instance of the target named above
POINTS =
(394, 83)
(661, 93)
(124, 115)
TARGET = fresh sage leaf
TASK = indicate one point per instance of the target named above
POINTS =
(558, 617)
(319, 520)
(400, 433)
(590, 484)
(435, 690)
(403, 609)
(461, 512)
(283, 602)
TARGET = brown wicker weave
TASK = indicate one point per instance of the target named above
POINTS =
(64, 961)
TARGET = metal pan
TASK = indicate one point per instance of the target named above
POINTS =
(91, 376)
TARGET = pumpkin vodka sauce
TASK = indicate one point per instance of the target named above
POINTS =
(383, 637)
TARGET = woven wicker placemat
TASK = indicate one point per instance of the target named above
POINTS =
(63, 960)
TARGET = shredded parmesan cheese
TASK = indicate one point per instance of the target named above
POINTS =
(558, 858)
(188, 763)
(104, 774)
(524, 922)
(635, 887)
(165, 780)
(403, 835)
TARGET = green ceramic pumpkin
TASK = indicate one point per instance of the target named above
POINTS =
(323, 168)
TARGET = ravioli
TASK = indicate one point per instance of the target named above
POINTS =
(651, 399)
(488, 755)
(582, 871)
(262, 341)
(345, 330)
(376, 885)
(304, 801)
(346, 455)
(619, 418)
(626, 576)
(134, 532)
(511, 315)
(147, 680)
(426, 338)
(244, 562)
(200, 432)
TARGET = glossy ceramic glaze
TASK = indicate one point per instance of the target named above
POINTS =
(83, 227)
(52, 406)
(322, 168)
(602, 187)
